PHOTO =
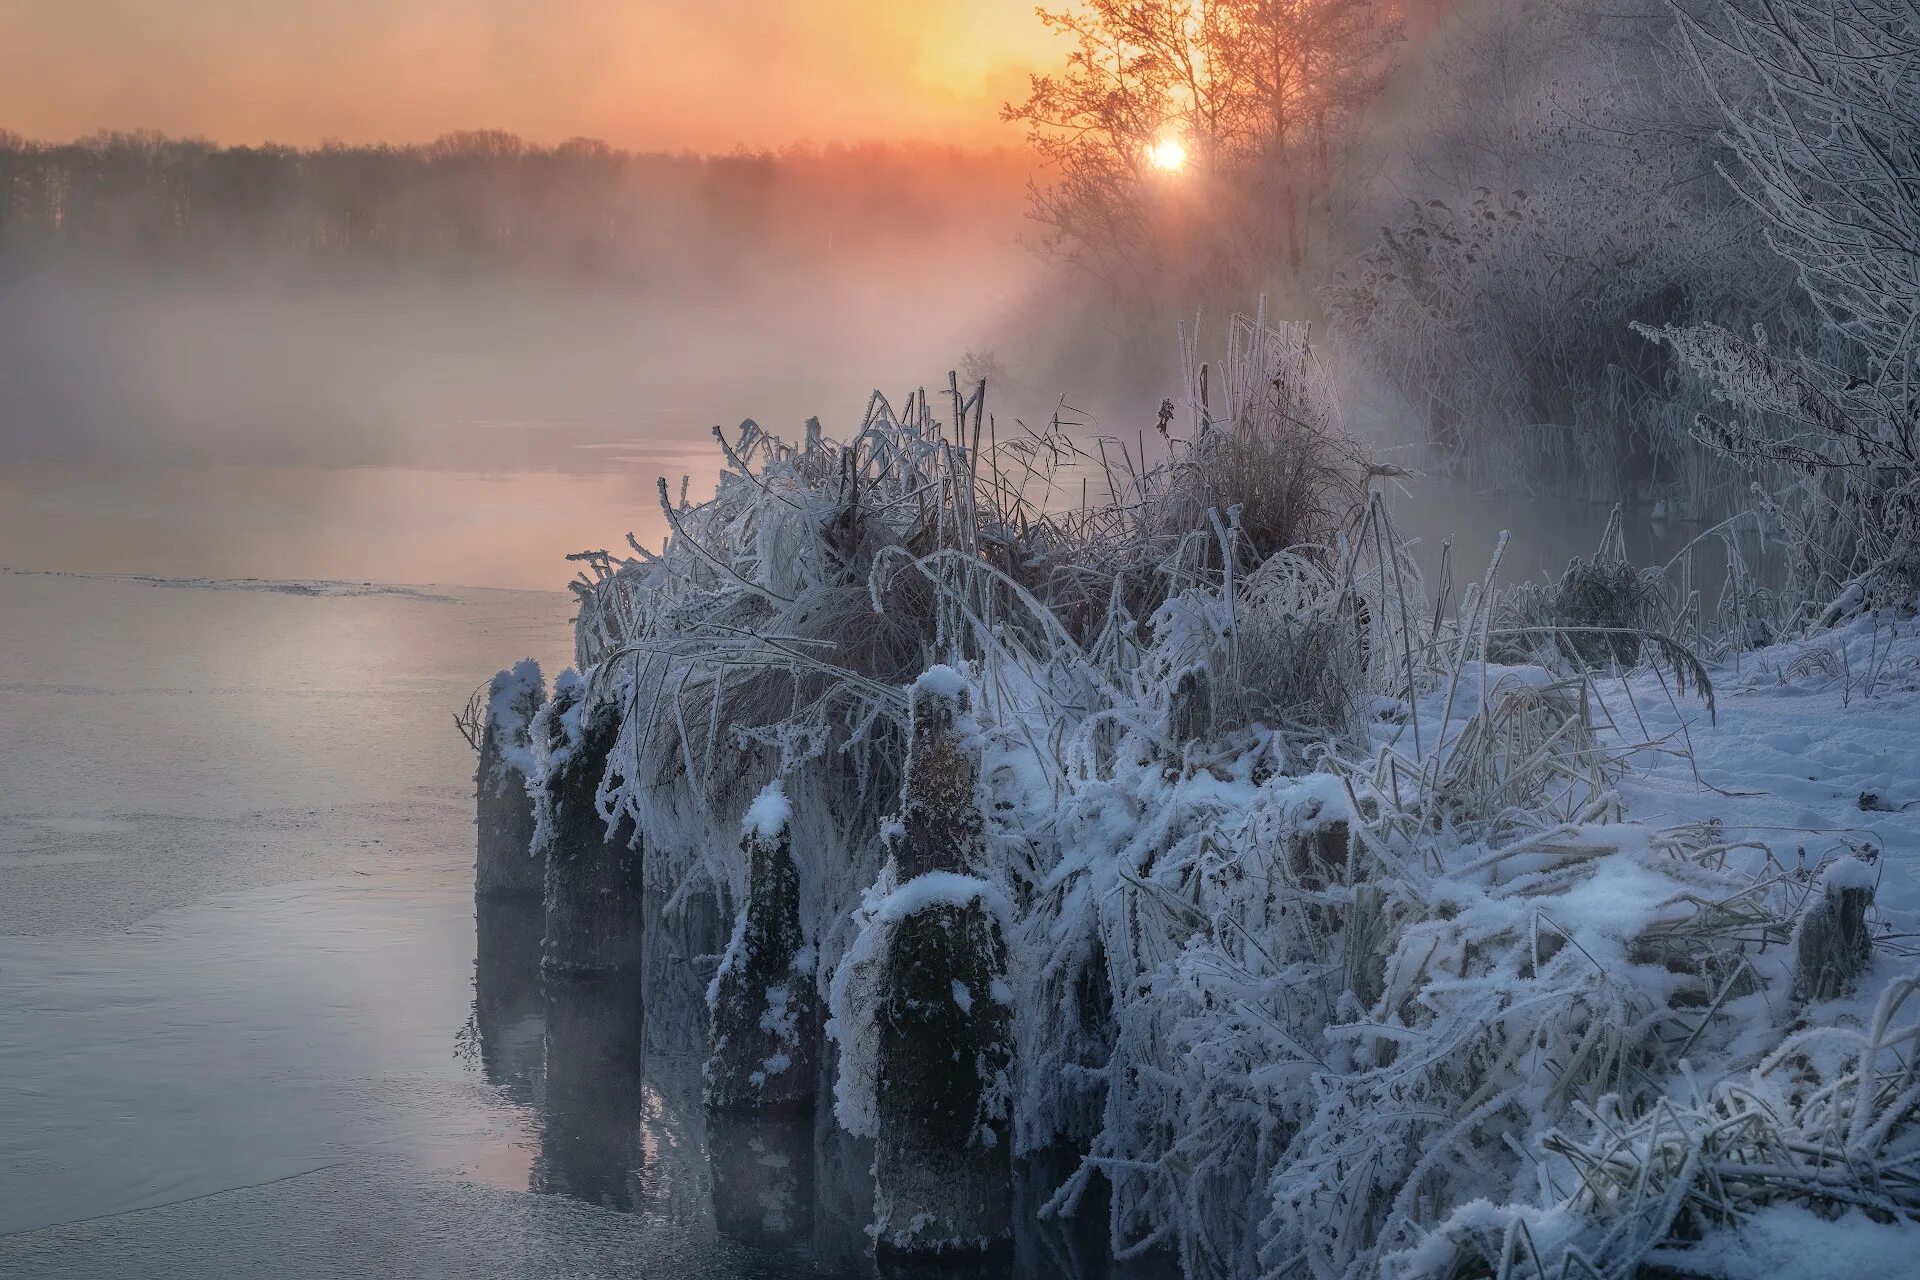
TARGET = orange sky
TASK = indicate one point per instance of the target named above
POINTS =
(695, 74)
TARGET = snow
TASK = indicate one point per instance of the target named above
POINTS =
(1249, 1037)
(777, 1014)
(1795, 745)
(852, 1001)
(513, 698)
(555, 733)
(941, 681)
(1849, 873)
(1791, 1242)
(941, 889)
(769, 814)
(852, 995)
(508, 692)
(1777, 776)
(730, 959)
(1319, 1002)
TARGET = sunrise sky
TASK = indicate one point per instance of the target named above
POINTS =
(643, 74)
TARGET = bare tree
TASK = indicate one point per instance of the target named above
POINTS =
(1251, 92)
(1829, 150)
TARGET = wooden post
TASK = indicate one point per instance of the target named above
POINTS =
(943, 1161)
(503, 864)
(1831, 944)
(1190, 710)
(764, 1044)
(593, 876)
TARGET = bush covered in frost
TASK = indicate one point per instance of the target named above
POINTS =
(1330, 950)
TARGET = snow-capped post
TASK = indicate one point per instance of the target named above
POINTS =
(764, 1052)
(1831, 945)
(943, 1026)
(503, 865)
(593, 873)
(938, 810)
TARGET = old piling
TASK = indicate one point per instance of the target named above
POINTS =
(1831, 944)
(593, 869)
(764, 1041)
(503, 864)
(943, 1158)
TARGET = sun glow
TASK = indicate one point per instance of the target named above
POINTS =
(1167, 155)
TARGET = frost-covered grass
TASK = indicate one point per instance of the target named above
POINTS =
(1354, 928)
(1783, 1122)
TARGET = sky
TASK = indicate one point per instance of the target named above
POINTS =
(708, 75)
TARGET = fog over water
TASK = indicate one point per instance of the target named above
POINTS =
(499, 371)
(273, 425)
(415, 431)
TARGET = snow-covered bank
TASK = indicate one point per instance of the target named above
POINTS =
(1351, 928)
(1783, 1128)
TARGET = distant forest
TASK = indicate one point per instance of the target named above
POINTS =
(489, 199)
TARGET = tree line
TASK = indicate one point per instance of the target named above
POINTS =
(490, 198)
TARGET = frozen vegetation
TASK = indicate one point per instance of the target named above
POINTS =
(1356, 925)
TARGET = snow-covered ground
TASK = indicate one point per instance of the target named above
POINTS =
(1813, 748)
(1811, 753)
(1354, 930)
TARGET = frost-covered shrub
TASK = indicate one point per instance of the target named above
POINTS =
(1821, 106)
(1302, 655)
(1598, 614)
(1311, 911)
(775, 631)
(1830, 1119)
(1266, 447)
(1564, 189)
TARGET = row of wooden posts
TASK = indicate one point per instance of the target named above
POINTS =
(943, 1158)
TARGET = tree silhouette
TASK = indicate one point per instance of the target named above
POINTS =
(1255, 92)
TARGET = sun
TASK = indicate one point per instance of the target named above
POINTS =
(1167, 155)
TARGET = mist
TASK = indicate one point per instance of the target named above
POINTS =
(223, 361)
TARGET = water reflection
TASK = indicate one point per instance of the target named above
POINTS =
(589, 1139)
(843, 1205)
(509, 1016)
(762, 1170)
(613, 1102)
